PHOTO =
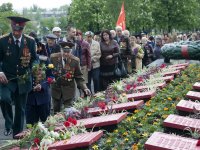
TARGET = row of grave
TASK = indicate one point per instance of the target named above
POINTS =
(179, 124)
(87, 139)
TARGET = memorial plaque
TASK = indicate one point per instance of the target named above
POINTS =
(142, 95)
(117, 107)
(77, 141)
(99, 121)
(181, 122)
(193, 95)
(163, 141)
(196, 86)
(188, 106)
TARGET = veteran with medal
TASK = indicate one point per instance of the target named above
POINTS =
(17, 55)
(67, 71)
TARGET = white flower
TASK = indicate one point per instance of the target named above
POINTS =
(46, 142)
(54, 134)
(42, 128)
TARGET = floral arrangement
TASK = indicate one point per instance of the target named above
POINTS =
(43, 135)
(38, 72)
(40, 136)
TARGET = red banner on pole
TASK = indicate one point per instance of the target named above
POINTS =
(121, 18)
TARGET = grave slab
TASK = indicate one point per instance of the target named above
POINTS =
(77, 141)
(159, 85)
(166, 78)
(142, 95)
(196, 86)
(100, 121)
(163, 141)
(181, 122)
(193, 95)
(117, 107)
(188, 106)
(178, 65)
(171, 73)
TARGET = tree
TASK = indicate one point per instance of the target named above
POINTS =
(6, 7)
(46, 25)
(180, 14)
(141, 15)
(5, 11)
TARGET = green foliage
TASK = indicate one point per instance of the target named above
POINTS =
(141, 15)
(5, 11)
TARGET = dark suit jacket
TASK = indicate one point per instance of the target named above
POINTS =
(11, 64)
(40, 97)
(126, 42)
(54, 49)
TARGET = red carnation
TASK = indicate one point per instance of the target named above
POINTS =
(68, 75)
(128, 87)
(102, 105)
(114, 98)
(140, 79)
(198, 143)
(66, 123)
(134, 85)
(163, 66)
(86, 109)
(36, 141)
(50, 80)
(72, 120)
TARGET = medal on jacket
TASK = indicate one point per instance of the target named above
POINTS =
(26, 55)
(69, 71)
(8, 52)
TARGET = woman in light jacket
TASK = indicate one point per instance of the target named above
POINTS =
(137, 53)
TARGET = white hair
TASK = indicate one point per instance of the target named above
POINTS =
(118, 28)
(126, 33)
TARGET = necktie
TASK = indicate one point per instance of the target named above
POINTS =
(17, 44)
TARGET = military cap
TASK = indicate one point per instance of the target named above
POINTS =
(89, 33)
(51, 36)
(66, 46)
(18, 23)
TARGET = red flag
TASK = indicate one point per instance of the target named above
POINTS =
(121, 18)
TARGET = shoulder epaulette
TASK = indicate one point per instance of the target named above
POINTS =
(29, 36)
(75, 58)
(5, 35)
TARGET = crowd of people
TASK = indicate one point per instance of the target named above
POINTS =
(83, 57)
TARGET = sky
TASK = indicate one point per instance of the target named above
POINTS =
(48, 4)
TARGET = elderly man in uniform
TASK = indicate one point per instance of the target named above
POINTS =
(17, 55)
(67, 71)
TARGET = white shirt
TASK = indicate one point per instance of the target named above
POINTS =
(20, 39)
